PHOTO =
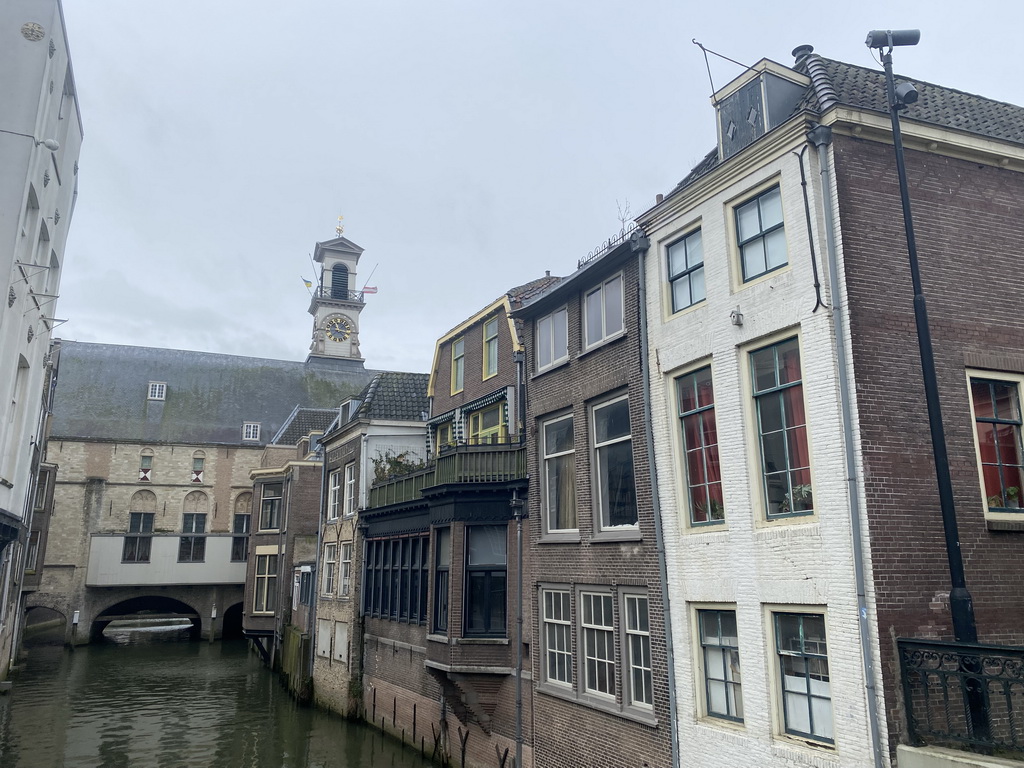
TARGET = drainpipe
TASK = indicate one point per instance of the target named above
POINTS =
(659, 536)
(821, 137)
(519, 512)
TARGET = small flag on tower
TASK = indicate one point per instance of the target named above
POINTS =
(369, 289)
(307, 282)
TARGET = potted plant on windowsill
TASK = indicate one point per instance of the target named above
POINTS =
(712, 510)
(1009, 500)
(797, 500)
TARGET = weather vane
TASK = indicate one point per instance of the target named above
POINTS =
(341, 227)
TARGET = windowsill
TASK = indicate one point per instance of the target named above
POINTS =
(480, 641)
(1004, 523)
(443, 639)
(719, 526)
(261, 613)
(767, 275)
(603, 343)
(796, 748)
(550, 368)
(560, 537)
(721, 722)
(687, 310)
(615, 534)
(595, 702)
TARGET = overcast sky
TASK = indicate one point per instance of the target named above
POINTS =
(470, 146)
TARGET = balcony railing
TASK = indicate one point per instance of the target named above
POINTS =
(495, 462)
(327, 293)
(964, 696)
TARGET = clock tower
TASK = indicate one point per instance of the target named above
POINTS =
(337, 302)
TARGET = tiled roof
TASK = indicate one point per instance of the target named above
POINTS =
(302, 422)
(835, 82)
(101, 393)
(523, 293)
(396, 396)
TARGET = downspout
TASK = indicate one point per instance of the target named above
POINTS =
(821, 137)
(659, 536)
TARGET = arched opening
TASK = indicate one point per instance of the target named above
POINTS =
(339, 281)
(232, 629)
(150, 613)
(43, 626)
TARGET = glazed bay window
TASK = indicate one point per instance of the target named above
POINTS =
(330, 569)
(265, 587)
(270, 509)
(557, 637)
(396, 577)
(782, 430)
(334, 495)
(487, 426)
(598, 632)
(803, 670)
(137, 543)
(638, 645)
(442, 578)
(613, 461)
(686, 271)
(761, 234)
(485, 587)
(552, 339)
(490, 348)
(703, 473)
(458, 365)
(997, 423)
(349, 508)
(720, 660)
(192, 549)
(559, 474)
(603, 312)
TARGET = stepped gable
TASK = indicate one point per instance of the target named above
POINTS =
(102, 393)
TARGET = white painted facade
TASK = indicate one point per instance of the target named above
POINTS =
(106, 569)
(38, 188)
(756, 567)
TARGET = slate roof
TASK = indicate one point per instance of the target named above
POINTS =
(835, 82)
(101, 393)
(395, 396)
(302, 422)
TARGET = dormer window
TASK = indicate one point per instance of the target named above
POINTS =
(251, 430)
(157, 390)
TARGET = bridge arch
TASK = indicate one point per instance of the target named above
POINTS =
(141, 607)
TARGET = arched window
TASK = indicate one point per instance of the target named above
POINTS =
(198, 465)
(138, 542)
(240, 527)
(143, 501)
(192, 547)
(145, 465)
(339, 281)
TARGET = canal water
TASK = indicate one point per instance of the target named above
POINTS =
(155, 698)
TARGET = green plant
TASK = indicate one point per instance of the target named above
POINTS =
(389, 464)
(712, 509)
(800, 495)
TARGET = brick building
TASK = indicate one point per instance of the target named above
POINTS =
(440, 656)
(379, 432)
(600, 665)
(797, 484)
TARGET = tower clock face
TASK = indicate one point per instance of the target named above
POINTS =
(338, 328)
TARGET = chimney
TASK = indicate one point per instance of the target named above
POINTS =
(801, 52)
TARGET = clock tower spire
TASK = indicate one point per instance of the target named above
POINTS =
(336, 301)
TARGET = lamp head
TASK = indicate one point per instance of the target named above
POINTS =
(906, 94)
(891, 38)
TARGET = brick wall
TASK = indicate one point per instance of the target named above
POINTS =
(969, 228)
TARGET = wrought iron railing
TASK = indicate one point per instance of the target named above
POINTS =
(338, 295)
(964, 696)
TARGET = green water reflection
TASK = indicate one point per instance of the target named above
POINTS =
(154, 698)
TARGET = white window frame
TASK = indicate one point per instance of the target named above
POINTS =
(608, 316)
(995, 513)
(490, 348)
(251, 431)
(546, 331)
(268, 591)
(556, 635)
(157, 390)
(548, 461)
(330, 570)
(597, 450)
(334, 495)
(763, 233)
(638, 663)
(345, 573)
(350, 489)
